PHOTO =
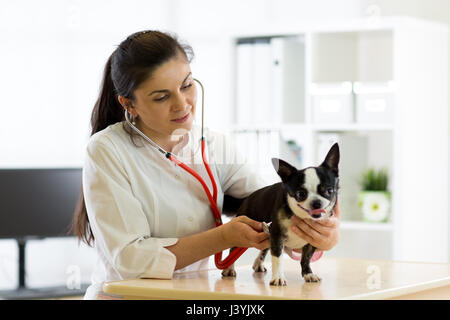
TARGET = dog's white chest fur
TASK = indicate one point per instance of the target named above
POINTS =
(292, 241)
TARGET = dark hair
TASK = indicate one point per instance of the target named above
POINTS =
(131, 63)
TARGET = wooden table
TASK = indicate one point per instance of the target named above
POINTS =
(341, 279)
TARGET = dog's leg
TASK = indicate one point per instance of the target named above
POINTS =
(230, 271)
(307, 253)
(258, 265)
(276, 249)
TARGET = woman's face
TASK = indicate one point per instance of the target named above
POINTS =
(165, 103)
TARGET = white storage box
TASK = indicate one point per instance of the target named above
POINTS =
(374, 102)
(332, 103)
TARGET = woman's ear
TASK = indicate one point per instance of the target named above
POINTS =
(127, 105)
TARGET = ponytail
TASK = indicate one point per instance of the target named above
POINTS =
(107, 110)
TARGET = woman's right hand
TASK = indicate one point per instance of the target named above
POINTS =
(245, 232)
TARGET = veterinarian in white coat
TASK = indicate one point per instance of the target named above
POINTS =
(145, 216)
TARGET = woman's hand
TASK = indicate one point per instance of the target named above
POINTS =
(245, 232)
(322, 234)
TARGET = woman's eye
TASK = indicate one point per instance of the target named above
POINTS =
(161, 98)
(187, 86)
(166, 96)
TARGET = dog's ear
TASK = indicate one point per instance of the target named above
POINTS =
(332, 159)
(283, 168)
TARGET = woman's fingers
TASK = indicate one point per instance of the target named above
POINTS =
(306, 233)
(263, 244)
(322, 234)
(252, 223)
(257, 237)
(299, 232)
(246, 232)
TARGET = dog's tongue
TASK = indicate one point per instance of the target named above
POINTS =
(316, 213)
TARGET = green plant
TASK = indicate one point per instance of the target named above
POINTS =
(375, 180)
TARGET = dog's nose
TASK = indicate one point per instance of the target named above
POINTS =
(316, 204)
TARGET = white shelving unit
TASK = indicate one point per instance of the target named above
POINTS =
(412, 144)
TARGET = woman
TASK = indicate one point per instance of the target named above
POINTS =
(148, 217)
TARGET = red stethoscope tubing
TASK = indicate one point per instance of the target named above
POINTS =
(237, 252)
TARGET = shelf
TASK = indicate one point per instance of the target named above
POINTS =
(352, 127)
(314, 127)
(253, 127)
(366, 226)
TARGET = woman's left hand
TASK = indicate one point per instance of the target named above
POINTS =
(322, 234)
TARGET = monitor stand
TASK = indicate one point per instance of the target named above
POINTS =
(23, 292)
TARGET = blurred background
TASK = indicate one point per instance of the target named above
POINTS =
(284, 78)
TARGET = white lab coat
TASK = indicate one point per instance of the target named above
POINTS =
(139, 202)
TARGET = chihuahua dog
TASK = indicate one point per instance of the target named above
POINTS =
(310, 193)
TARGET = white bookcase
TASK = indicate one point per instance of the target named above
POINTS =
(277, 76)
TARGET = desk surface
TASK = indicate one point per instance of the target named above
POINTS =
(341, 279)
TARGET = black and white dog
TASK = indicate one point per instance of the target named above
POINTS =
(310, 193)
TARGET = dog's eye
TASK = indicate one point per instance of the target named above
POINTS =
(330, 190)
(301, 194)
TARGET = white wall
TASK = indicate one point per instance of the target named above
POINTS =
(53, 53)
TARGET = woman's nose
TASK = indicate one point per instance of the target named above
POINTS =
(180, 102)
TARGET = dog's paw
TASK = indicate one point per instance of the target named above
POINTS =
(229, 272)
(259, 267)
(278, 281)
(311, 277)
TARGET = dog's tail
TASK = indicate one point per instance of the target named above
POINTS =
(231, 205)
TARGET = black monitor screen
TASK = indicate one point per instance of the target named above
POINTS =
(38, 202)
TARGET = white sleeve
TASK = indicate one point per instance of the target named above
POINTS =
(120, 227)
(237, 176)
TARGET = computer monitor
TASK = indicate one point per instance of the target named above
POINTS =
(38, 203)
(35, 204)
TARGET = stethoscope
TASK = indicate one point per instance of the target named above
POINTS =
(237, 252)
